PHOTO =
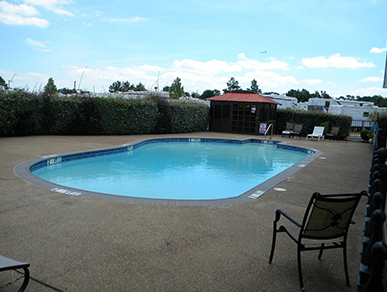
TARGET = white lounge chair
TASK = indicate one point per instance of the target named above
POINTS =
(318, 132)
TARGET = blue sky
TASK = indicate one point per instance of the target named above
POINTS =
(334, 45)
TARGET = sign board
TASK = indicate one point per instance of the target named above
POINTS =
(262, 128)
(385, 74)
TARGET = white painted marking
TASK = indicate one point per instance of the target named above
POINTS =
(194, 140)
(280, 189)
(256, 195)
(66, 192)
(301, 165)
(322, 157)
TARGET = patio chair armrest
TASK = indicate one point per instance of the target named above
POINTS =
(278, 214)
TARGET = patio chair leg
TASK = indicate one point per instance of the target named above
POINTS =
(299, 269)
(321, 251)
(26, 280)
(346, 265)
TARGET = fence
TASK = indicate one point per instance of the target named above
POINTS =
(372, 274)
(356, 127)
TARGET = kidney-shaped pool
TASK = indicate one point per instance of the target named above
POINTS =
(179, 169)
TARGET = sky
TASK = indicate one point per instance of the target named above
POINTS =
(337, 46)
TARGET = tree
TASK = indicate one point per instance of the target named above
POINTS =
(301, 96)
(255, 87)
(140, 87)
(232, 85)
(116, 86)
(166, 88)
(324, 94)
(50, 88)
(176, 90)
(126, 86)
(195, 95)
(3, 83)
(209, 93)
(66, 90)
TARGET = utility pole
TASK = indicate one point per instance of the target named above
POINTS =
(10, 81)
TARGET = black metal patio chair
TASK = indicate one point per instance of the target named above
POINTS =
(288, 130)
(325, 226)
(298, 130)
(333, 134)
(9, 264)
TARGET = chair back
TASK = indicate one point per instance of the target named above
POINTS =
(335, 130)
(329, 216)
(298, 127)
(318, 131)
(289, 126)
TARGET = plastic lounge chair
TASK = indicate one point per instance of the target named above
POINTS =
(288, 130)
(325, 226)
(297, 131)
(318, 132)
(334, 134)
(9, 264)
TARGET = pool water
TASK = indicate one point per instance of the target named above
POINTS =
(175, 170)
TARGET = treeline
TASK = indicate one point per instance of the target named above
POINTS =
(176, 90)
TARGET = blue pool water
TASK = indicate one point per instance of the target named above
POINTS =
(175, 170)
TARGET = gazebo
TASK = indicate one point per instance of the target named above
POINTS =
(242, 112)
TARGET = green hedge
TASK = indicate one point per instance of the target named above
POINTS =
(313, 118)
(23, 113)
(382, 129)
(127, 116)
(189, 116)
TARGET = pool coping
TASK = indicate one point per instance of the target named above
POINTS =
(23, 171)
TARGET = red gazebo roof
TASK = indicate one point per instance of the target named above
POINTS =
(242, 97)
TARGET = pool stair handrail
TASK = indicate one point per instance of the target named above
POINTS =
(267, 130)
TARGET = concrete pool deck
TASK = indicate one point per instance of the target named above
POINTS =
(76, 243)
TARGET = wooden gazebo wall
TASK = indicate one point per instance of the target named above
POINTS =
(241, 117)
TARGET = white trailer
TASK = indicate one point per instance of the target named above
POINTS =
(285, 101)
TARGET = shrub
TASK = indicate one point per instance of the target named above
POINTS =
(366, 134)
(20, 114)
(189, 116)
(382, 129)
(121, 116)
(65, 111)
(164, 118)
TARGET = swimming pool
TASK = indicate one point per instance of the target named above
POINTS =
(172, 169)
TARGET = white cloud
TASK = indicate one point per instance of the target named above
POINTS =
(22, 9)
(257, 65)
(133, 19)
(204, 68)
(370, 91)
(40, 46)
(312, 81)
(13, 19)
(196, 75)
(12, 14)
(269, 79)
(52, 5)
(372, 79)
(378, 50)
(151, 68)
(335, 61)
